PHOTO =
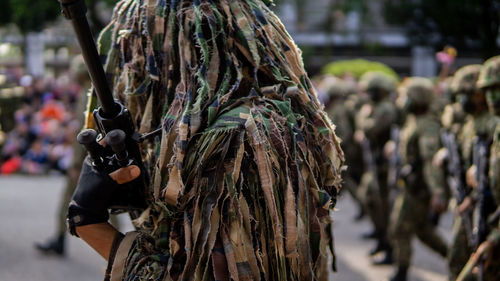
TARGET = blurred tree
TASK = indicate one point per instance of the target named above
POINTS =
(28, 15)
(357, 68)
(32, 16)
(461, 23)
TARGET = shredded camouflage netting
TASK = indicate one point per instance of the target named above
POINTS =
(247, 166)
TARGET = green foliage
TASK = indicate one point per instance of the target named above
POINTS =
(464, 24)
(461, 23)
(357, 68)
(31, 15)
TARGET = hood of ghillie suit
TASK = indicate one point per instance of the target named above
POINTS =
(222, 79)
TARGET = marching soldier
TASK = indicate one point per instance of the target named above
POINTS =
(419, 140)
(337, 91)
(487, 254)
(478, 123)
(373, 123)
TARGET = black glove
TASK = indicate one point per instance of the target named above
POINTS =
(94, 194)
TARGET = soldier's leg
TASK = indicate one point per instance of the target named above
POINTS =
(352, 186)
(426, 231)
(384, 198)
(371, 202)
(459, 250)
(383, 220)
(401, 231)
(56, 244)
(353, 175)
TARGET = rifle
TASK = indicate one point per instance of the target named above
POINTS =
(483, 249)
(112, 118)
(455, 179)
(483, 206)
(475, 258)
(394, 160)
(369, 162)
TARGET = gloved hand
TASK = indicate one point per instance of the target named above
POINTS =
(94, 194)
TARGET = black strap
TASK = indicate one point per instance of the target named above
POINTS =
(114, 248)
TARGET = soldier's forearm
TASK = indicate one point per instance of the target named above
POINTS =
(99, 236)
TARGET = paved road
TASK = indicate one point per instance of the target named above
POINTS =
(28, 210)
(352, 252)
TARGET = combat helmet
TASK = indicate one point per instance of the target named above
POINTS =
(489, 82)
(418, 91)
(376, 80)
(490, 73)
(465, 79)
(79, 68)
(333, 87)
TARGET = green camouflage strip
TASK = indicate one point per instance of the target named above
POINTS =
(247, 166)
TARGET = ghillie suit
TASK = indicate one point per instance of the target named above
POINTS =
(247, 166)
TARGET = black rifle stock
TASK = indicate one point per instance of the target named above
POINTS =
(113, 120)
(369, 161)
(484, 204)
(455, 179)
(394, 160)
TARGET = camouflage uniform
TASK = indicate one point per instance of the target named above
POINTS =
(492, 264)
(464, 81)
(489, 83)
(354, 157)
(375, 119)
(419, 141)
(454, 116)
(243, 139)
(479, 123)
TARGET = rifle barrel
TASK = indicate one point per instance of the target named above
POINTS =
(75, 11)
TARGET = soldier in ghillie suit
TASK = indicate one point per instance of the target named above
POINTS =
(419, 141)
(56, 244)
(373, 128)
(247, 166)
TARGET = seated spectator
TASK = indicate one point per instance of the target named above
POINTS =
(17, 141)
(36, 158)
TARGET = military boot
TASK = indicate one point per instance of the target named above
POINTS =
(382, 245)
(360, 215)
(400, 274)
(370, 235)
(386, 259)
(52, 246)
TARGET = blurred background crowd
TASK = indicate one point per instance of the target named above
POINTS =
(38, 121)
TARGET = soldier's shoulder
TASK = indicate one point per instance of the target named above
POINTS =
(386, 107)
(489, 125)
(495, 127)
(429, 124)
(387, 103)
